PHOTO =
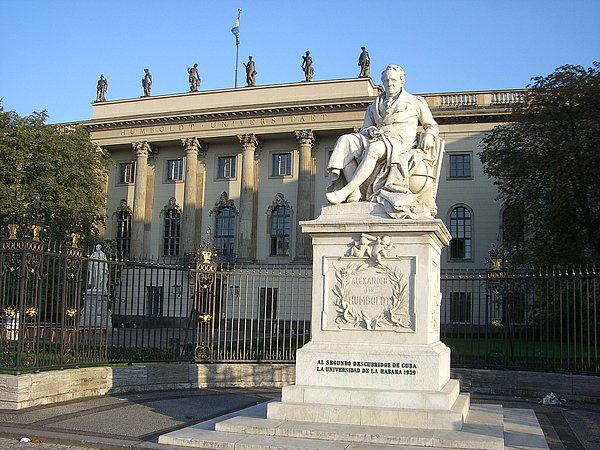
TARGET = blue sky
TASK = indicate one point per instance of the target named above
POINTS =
(53, 52)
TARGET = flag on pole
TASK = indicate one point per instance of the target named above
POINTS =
(236, 30)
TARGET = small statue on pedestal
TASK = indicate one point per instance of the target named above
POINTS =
(250, 72)
(98, 271)
(147, 82)
(194, 78)
(307, 66)
(364, 61)
(101, 89)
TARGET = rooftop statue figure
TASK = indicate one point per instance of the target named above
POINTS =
(194, 78)
(147, 82)
(387, 161)
(364, 61)
(307, 66)
(250, 72)
(101, 89)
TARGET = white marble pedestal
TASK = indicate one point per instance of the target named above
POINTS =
(95, 315)
(375, 357)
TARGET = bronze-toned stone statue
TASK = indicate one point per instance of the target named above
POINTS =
(307, 66)
(250, 72)
(147, 82)
(101, 89)
(194, 78)
(364, 61)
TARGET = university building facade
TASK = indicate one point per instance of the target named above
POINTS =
(245, 165)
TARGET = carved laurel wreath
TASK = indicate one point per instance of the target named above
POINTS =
(395, 315)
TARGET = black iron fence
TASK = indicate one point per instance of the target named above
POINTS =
(62, 308)
(527, 319)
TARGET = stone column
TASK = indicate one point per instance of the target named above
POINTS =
(200, 181)
(304, 201)
(246, 233)
(104, 213)
(188, 223)
(142, 150)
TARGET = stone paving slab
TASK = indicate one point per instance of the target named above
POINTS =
(522, 430)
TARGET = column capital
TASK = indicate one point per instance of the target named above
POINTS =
(249, 141)
(305, 137)
(141, 148)
(191, 144)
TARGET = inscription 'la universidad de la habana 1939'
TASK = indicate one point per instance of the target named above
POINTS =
(367, 367)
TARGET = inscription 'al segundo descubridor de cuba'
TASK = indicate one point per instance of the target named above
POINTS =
(371, 294)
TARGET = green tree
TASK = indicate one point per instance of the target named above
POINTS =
(546, 164)
(51, 174)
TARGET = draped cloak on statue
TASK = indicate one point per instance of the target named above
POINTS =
(397, 120)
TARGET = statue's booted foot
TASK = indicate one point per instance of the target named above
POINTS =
(354, 197)
(334, 197)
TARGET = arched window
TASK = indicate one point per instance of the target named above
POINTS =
(225, 214)
(281, 228)
(123, 234)
(172, 228)
(461, 246)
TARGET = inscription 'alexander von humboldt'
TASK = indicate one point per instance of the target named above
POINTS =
(371, 297)
(374, 295)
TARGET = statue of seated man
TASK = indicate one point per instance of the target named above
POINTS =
(383, 156)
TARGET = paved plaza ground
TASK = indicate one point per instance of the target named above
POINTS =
(134, 421)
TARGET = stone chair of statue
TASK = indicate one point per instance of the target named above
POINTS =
(425, 176)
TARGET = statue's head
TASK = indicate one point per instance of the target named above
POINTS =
(393, 79)
(98, 247)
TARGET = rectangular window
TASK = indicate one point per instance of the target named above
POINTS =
(460, 307)
(172, 232)
(123, 237)
(282, 164)
(226, 167)
(225, 234)
(460, 165)
(127, 172)
(154, 300)
(174, 169)
(281, 228)
(267, 303)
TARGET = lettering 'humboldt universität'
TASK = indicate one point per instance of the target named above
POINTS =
(224, 124)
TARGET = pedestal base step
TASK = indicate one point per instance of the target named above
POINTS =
(431, 419)
(489, 422)
(386, 398)
(485, 428)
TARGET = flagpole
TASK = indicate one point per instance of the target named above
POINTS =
(237, 50)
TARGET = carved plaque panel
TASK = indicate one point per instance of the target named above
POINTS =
(369, 294)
